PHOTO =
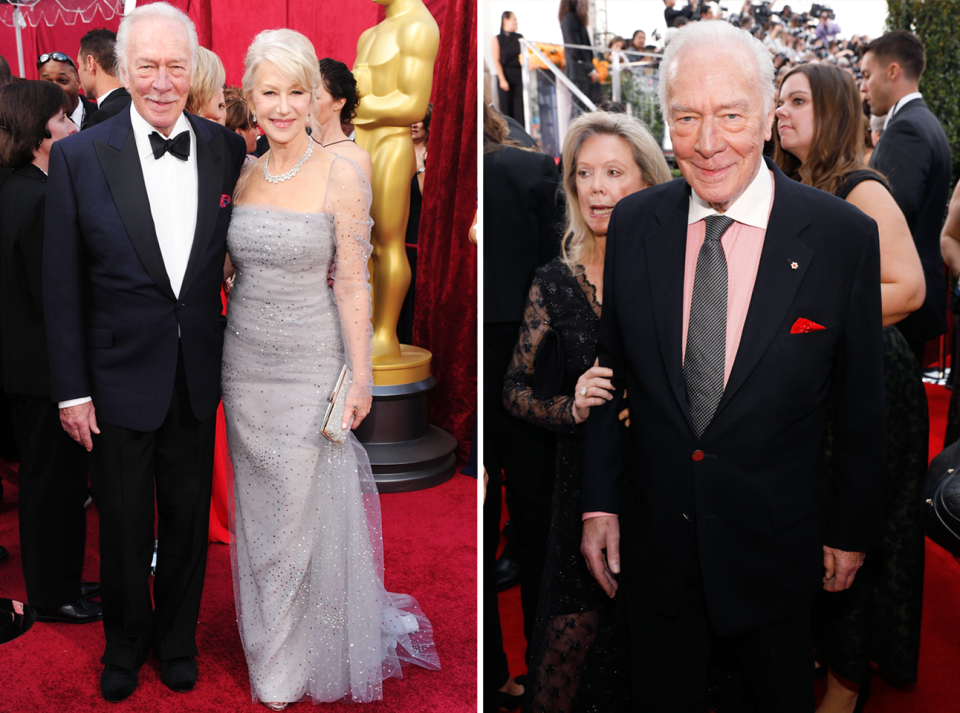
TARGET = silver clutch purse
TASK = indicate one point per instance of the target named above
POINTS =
(338, 401)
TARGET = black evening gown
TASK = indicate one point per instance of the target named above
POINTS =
(577, 659)
(878, 618)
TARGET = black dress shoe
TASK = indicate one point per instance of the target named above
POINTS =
(507, 572)
(78, 612)
(179, 674)
(89, 590)
(3, 553)
(116, 682)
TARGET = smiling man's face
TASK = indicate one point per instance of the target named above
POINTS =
(159, 72)
(717, 122)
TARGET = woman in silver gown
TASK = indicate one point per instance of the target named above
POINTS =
(314, 617)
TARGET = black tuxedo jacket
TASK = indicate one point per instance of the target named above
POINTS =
(26, 371)
(752, 490)
(113, 321)
(116, 101)
(914, 155)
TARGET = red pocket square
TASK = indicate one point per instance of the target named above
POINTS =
(802, 326)
(224, 200)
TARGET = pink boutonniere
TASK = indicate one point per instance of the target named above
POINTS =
(224, 200)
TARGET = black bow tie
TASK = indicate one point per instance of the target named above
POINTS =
(178, 146)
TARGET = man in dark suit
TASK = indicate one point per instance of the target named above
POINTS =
(914, 155)
(97, 67)
(58, 68)
(735, 302)
(133, 263)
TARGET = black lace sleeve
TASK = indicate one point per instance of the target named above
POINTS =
(554, 413)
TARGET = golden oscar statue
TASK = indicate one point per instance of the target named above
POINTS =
(394, 72)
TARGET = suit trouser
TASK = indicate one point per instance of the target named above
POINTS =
(126, 468)
(669, 655)
(53, 488)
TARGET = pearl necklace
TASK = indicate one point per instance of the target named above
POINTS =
(267, 176)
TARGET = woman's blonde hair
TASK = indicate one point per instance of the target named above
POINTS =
(208, 78)
(578, 244)
(290, 52)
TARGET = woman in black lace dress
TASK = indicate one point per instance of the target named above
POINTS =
(818, 137)
(578, 652)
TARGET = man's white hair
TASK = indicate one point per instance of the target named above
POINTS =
(154, 11)
(722, 37)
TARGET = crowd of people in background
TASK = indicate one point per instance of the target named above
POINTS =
(850, 121)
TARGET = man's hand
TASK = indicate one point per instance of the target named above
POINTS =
(80, 422)
(602, 533)
(229, 273)
(840, 568)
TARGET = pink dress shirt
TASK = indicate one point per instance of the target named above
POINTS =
(742, 245)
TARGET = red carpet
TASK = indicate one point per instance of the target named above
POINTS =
(938, 686)
(430, 550)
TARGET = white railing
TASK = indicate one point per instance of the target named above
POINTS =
(551, 99)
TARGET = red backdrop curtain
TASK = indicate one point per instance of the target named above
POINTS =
(445, 320)
(227, 27)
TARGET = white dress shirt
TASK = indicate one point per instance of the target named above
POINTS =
(77, 116)
(899, 105)
(752, 207)
(172, 192)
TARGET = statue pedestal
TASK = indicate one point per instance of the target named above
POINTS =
(406, 452)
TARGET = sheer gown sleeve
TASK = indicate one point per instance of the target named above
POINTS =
(555, 413)
(348, 199)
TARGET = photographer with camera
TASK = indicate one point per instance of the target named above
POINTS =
(827, 29)
(671, 14)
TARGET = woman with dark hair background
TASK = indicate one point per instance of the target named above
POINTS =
(337, 100)
(420, 133)
(573, 24)
(818, 137)
(506, 63)
(53, 467)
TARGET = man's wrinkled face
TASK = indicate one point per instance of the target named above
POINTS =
(159, 68)
(64, 75)
(717, 122)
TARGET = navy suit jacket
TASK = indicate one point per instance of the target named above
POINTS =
(113, 322)
(752, 490)
(914, 155)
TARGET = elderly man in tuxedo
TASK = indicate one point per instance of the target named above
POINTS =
(741, 311)
(133, 262)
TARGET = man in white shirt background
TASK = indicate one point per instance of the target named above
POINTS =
(914, 155)
(97, 68)
(58, 68)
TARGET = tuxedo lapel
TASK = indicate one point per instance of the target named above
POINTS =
(210, 159)
(124, 175)
(665, 256)
(776, 284)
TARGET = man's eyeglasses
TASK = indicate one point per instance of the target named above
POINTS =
(55, 56)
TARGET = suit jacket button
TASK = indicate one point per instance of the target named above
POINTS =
(698, 455)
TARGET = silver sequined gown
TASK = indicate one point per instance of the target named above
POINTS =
(314, 617)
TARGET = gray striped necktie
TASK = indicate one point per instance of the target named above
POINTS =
(707, 329)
